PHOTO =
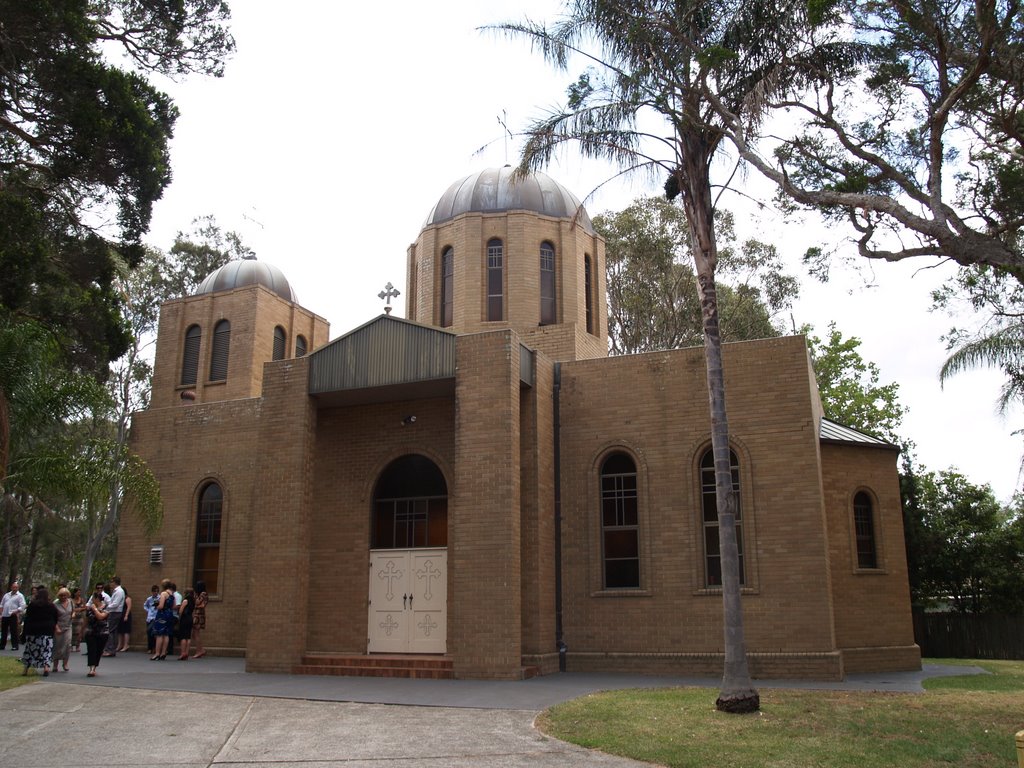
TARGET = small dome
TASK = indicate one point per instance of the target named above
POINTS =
(244, 272)
(493, 190)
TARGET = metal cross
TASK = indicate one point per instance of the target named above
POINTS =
(389, 293)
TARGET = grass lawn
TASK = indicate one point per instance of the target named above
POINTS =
(10, 673)
(959, 721)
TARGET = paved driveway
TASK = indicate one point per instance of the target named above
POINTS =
(57, 725)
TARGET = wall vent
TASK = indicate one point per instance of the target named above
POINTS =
(156, 555)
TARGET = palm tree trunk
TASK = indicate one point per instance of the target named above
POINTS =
(737, 693)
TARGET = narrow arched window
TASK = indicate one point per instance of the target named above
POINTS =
(280, 342)
(495, 280)
(709, 503)
(588, 291)
(207, 555)
(300, 346)
(447, 285)
(864, 527)
(547, 284)
(221, 348)
(190, 357)
(620, 523)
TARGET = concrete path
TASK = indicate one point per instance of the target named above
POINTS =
(211, 712)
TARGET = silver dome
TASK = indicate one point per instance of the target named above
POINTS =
(493, 190)
(245, 272)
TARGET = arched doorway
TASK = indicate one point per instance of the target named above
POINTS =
(409, 559)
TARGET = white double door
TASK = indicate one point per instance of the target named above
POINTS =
(408, 601)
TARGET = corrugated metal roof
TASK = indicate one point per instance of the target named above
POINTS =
(386, 351)
(833, 431)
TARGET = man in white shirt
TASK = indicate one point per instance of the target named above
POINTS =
(11, 607)
(116, 610)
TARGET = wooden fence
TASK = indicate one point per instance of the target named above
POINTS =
(969, 636)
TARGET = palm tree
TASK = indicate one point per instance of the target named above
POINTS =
(1002, 348)
(680, 61)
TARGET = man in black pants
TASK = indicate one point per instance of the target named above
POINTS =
(11, 607)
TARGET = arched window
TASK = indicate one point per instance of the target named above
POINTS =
(547, 284)
(300, 346)
(620, 523)
(280, 341)
(588, 291)
(207, 559)
(864, 527)
(495, 280)
(190, 357)
(447, 285)
(410, 505)
(221, 348)
(712, 553)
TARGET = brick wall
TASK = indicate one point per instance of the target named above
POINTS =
(484, 547)
(873, 615)
(655, 407)
(521, 233)
(254, 312)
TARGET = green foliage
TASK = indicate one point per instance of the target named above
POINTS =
(965, 549)
(652, 295)
(850, 388)
(937, 95)
(84, 152)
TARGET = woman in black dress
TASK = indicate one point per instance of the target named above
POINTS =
(188, 605)
(39, 625)
(96, 630)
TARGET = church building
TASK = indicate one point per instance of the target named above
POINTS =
(479, 491)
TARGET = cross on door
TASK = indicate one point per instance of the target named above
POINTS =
(390, 572)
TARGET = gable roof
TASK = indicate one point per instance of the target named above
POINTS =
(386, 352)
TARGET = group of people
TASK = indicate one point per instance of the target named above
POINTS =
(171, 615)
(51, 631)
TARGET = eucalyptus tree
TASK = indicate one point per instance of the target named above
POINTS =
(676, 65)
(922, 153)
(651, 301)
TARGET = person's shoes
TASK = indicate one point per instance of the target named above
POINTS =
(46, 673)
(183, 657)
(109, 655)
(91, 674)
(200, 654)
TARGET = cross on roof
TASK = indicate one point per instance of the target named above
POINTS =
(389, 293)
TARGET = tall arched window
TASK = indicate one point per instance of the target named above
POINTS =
(495, 280)
(221, 348)
(864, 527)
(300, 346)
(410, 505)
(190, 357)
(207, 559)
(280, 342)
(447, 285)
(620, 523)
(547, 284)
(588, 291)
(712, 552)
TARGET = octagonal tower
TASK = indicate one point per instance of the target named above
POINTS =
(499, 252)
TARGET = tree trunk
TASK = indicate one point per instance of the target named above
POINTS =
(737, 693)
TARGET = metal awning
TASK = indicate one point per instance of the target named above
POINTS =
(387, 359)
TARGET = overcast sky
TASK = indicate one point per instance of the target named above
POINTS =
(338, 126)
